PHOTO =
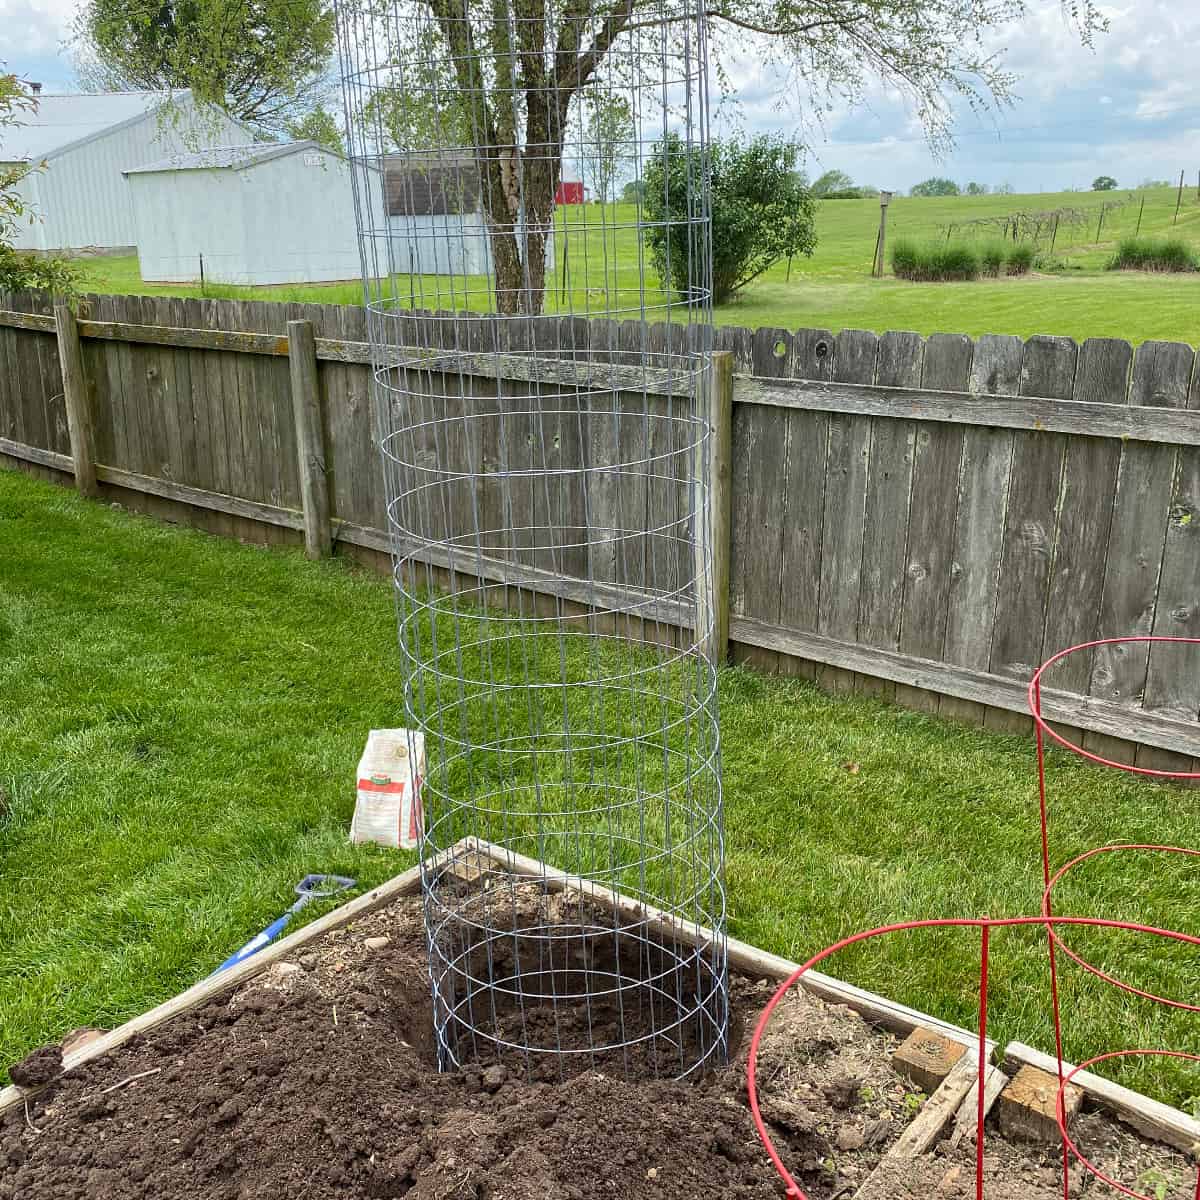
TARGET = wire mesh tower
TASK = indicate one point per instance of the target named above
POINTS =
(541, 371)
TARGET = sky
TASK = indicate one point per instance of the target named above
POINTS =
(1130, 108)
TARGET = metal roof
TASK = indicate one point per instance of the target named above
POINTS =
(61, 122)
(229, 158)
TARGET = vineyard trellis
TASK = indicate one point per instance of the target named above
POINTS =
(1037, 225)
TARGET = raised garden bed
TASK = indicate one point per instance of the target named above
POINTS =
(309, 1070)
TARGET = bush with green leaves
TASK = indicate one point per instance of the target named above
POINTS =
(1021, 258)
(943, 262)
(992, 258)
(935, 263)
(1154, 254)
(761, 211)
(36, 273)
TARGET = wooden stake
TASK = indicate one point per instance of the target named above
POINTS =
(885, 199)
(716, 554)
(310, 442)
(75, 394)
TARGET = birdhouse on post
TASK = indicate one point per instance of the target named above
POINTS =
(885, 199)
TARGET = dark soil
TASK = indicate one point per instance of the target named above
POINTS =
(37, 1068)
(317, 1079)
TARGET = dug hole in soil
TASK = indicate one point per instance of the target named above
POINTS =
(318, 1079)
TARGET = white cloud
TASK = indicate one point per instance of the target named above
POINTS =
(1127, 106)
(33, 28)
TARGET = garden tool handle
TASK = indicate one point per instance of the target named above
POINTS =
(256, 943)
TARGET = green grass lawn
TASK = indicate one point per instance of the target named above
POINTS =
(834, 288)
(180, 720)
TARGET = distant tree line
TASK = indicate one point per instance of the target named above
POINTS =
(939, 185)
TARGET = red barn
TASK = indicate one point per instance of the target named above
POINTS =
(569, 192)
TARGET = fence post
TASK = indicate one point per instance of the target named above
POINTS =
(717, 410)
(310, 442)
(75, 396)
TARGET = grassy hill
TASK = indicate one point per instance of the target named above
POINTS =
(1072, 295)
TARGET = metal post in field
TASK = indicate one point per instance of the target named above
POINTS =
(1141, 210)
(1178, 199)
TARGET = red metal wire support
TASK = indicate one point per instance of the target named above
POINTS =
(1054, 927)
(985, 925)
(1042, 729)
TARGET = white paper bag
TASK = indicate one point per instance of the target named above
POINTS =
(388, 808)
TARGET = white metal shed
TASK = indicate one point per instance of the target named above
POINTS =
(86, 141)
(254, 214)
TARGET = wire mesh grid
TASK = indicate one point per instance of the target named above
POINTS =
(541, 377)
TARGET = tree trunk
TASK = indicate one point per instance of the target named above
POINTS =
(518, 202)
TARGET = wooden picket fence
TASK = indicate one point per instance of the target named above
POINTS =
(924, 519)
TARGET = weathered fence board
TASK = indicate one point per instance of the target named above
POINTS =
(1048, 369)
(845, 470)
(919, 518)
(937, 455)
(982, 499)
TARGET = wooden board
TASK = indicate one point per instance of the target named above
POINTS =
(998, 692)
(937, 453)
(979, 523)
(1035, 412)
(938, 1111)
(845, 468)
(1031, 519)
(760, 456)
(1141, 511)
(807, 437)
(889, 484)
(1147, 1116)
(1173, 673)
(1088, 484)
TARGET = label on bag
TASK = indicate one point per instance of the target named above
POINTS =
(388, 808)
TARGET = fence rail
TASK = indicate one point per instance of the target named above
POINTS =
(925, 519)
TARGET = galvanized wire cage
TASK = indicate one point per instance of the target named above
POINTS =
(541, 369)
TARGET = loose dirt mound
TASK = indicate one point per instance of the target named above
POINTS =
(318, 1079)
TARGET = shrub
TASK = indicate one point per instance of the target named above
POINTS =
(1152, 254)
(1020, 259)
(936, 263)
(906, 259)
(761, 211)
(992, 258)
(29, 272)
